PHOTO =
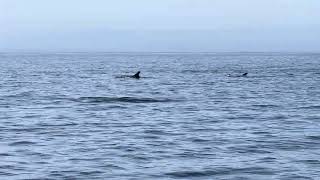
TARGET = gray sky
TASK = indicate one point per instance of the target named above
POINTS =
(160, 25)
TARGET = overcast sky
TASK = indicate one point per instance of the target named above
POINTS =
(160, 25)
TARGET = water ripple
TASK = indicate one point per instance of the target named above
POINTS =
(122, 99)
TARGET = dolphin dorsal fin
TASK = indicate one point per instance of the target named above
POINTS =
(244, 74)
(137, 75)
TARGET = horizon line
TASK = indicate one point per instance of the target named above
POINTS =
(154, 52)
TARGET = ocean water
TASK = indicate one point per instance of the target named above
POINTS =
(190, 116)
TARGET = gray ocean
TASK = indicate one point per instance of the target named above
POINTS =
(189, 116)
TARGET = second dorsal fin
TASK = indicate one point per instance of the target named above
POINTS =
(137, 75)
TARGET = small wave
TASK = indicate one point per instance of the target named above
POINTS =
(27, 129)
(5, 154)
(310, 161)
(90, 173)
(185, 174)
(57, 125)
(265, 106)
(313, 137)
(310, 107)
(199, 71)
(157, 132)
(221, 171)
(20, 95)
(121, 99)
(200, 140)
(22, 143)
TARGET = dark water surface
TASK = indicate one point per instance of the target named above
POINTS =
(67, 116)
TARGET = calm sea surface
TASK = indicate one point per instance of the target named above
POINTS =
(68, 116)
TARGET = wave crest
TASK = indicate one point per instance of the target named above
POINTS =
(122, 99)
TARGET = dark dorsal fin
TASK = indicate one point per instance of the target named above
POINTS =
(137, 75)
(244, 74)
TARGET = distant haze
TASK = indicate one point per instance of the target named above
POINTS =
(160, 25)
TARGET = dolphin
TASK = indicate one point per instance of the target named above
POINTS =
(242, 75)
(135, 76)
